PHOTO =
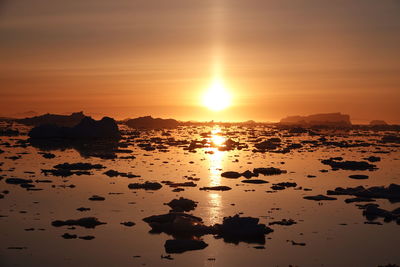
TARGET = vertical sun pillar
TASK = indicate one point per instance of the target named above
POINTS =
(217, 97)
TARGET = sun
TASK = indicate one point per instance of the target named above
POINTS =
(217, 98)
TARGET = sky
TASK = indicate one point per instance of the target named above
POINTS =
(129, 58)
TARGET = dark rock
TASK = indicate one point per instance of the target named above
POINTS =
(127, 157)
(68, 169)
(283, 185)
(113, 173)
(48, 155)
(87, 237)
(268, 171)
(182, 204)
(374, 223)
(178, 189)
(146, 185)
(128, 224)
(358, 199)
(64, 172)
(242, 229)
(97, 198)
(233, 229)
(391, 139)
(297, 243)
(18, 181)
(231, 174)
(373, 159)
(391, 192)
(14, 157)
(167, 257)
(284, 222)
(372, 212)
(69, 236)
(268, 145)
(319, 198)
(216, 188)
(184, 184)
(87, 222)
(255, 181)
(178, 224)
(349, 165)
(182, 245)
(27, 185)
(83, 209)
(248, 174)
(44, 181)
(297, 130)
(9, 132)
(358, 176)
(79, 166)
(346, 191)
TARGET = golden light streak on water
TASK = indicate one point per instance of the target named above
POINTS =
(216, 159)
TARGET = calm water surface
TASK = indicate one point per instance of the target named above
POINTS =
(333, 231)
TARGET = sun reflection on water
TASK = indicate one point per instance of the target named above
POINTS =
(215, 156)
(215, 208)
(216, 159)
(217, 140)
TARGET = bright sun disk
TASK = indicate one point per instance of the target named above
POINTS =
(217, 97)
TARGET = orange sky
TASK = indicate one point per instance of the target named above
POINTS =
(128, 58)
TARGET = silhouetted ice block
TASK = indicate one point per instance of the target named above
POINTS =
(90, 138)
(338, 163)
(373, 212)
(178, 224)
(390, 192)
(87, 128)
(182, 204)
(236, 229)
(149, 122)
(59, 120)
(325, 119)
(378, 123)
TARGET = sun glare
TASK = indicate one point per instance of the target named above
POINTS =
(217, 98)
(216, 138)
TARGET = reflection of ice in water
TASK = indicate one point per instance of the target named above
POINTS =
(216, 160)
